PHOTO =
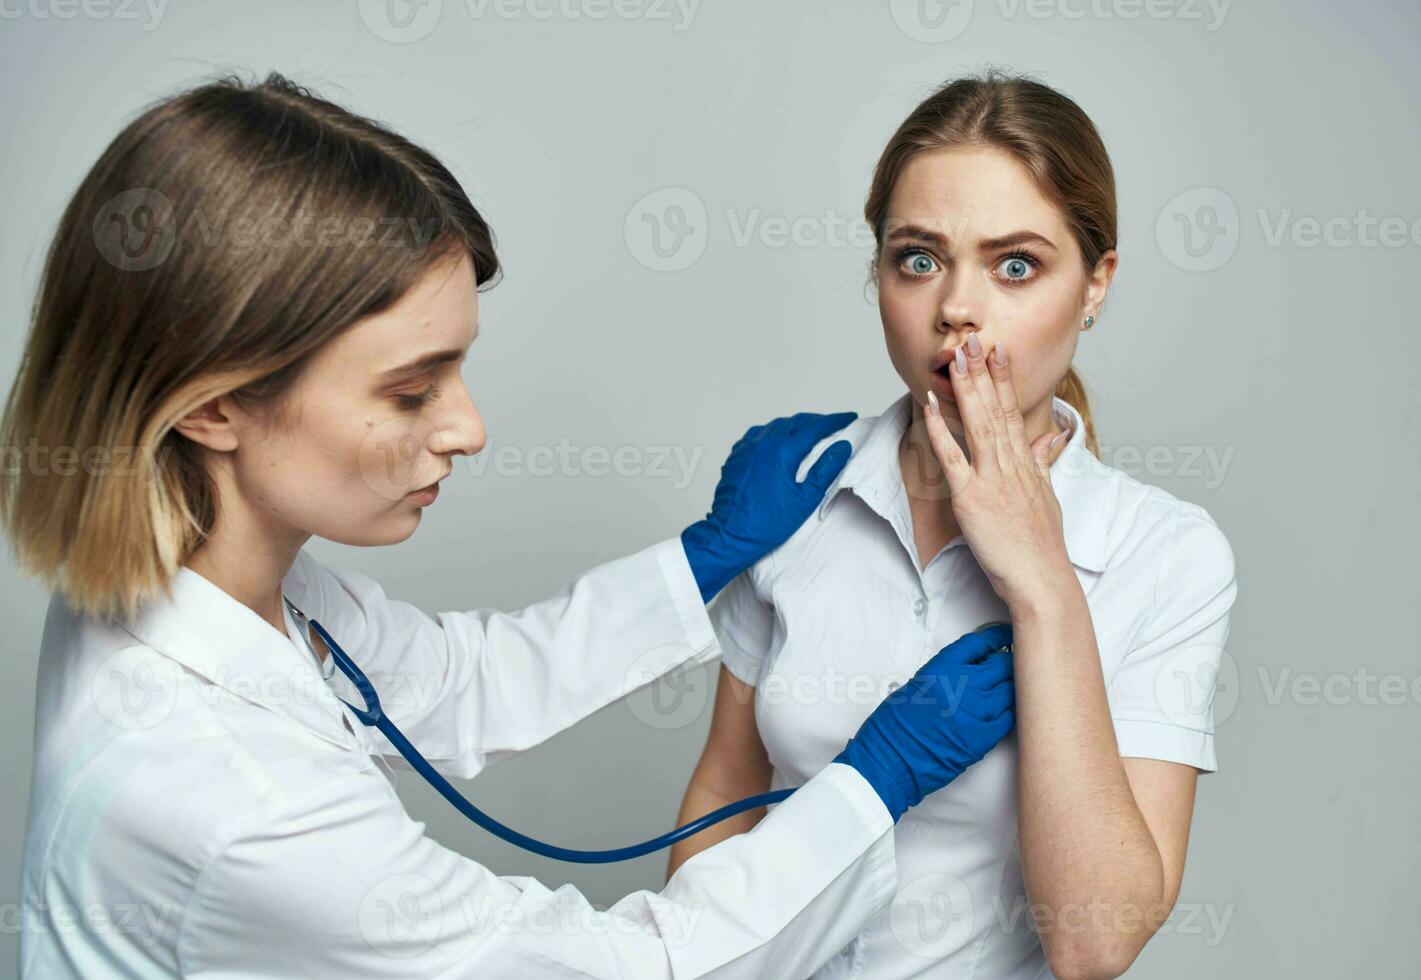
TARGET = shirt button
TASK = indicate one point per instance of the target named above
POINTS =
(920, 607)
(893, 686)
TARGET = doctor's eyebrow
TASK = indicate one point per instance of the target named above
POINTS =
(1001, 242)
(419, 365)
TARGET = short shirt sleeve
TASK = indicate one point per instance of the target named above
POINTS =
(744, 622)
(1162, 696)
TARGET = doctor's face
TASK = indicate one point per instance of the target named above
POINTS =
(971, 246)
(373, 421)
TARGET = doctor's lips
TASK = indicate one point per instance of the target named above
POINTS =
(426, 495)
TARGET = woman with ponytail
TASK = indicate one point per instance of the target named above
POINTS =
(979, 495)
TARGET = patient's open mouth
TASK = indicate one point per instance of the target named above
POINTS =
(942, 383)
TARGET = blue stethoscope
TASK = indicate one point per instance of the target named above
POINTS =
(372, 716)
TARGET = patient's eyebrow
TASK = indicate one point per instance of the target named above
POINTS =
(1014, 240)
(914, 231)
(997, 244)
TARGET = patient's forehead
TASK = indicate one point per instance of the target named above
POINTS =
(970, 193)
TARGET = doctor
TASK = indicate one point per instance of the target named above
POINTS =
(203, 803)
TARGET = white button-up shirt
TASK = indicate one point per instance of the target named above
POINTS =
(203, 804)
(841, 614)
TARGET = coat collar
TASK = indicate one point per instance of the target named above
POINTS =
(214, 635)
(1081, 482)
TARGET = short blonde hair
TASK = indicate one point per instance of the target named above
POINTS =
(224, 236)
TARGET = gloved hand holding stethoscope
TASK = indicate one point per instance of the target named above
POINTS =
(952, 712)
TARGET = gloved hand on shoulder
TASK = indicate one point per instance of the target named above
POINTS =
(759, 503)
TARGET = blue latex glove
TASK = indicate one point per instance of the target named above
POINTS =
(924, 735)
(758, 503)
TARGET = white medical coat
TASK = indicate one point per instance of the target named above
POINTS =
(203, 805)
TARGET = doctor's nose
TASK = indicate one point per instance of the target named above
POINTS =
(460, 431)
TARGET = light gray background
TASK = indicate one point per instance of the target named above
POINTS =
(1294, 364)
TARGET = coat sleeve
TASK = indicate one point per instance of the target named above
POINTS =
(468, 688)
(341, 882)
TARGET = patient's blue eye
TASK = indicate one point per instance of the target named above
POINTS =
(918, 262)
(1018, 267)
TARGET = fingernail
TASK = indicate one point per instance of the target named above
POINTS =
(961, 360)
(1056, 439)
(974, 346)
(932, 403)
(999, 354)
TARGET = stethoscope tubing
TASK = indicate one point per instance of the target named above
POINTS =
(374, 716)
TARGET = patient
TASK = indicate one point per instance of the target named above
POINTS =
(993, 207)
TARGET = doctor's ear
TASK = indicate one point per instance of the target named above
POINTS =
(213, 424)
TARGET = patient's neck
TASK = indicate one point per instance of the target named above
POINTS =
(925, 483)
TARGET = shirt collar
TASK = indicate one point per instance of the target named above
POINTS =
(1077, 477)
(214, 635)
